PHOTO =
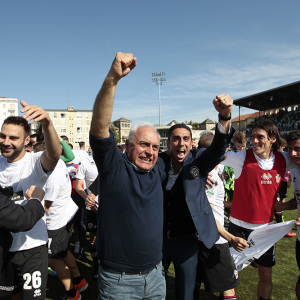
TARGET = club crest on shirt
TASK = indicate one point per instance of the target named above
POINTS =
(278, 178)
(194, 171)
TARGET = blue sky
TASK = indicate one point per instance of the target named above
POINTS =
(57, 53)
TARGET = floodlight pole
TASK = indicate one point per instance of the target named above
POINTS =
(157, 77)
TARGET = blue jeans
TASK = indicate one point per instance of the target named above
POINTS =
(131, 287)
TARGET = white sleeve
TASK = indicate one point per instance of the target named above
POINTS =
(236, 161)
(212, 192)
(222, 129)
(36, 160)
(52, 191)
(81, 170)
(289, 164)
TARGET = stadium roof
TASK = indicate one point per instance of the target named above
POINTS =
(282, 96)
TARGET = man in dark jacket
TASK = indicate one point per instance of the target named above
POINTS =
(15, 218)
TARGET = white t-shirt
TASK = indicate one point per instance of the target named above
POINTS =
(79, 156)
(21, 175)
(215, 196)
(295, 175)
(87, 170)
(236, 161)
(58, 190)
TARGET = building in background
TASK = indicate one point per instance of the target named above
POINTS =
(241, 123)
(123, 126)
(73, 123)
(8, 107)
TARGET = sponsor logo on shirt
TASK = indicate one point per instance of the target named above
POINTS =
(266, 178)
(251, 243)
(37, 293)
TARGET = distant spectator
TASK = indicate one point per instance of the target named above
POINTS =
(29, 147)
(239, 140)
(81, 145)
(34, 138)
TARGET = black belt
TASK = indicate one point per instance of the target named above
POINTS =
(108, 269)
(183, 236)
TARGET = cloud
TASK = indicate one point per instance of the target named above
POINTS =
(189, 96)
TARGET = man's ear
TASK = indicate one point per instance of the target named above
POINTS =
(273, 140)
(126, 145)
(168, 144)
(27, 140)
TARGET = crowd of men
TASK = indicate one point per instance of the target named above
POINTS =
(154, 207)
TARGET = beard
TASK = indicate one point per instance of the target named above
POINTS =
(13, 153)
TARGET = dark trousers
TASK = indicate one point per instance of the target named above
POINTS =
(79, 219)
(184, 255)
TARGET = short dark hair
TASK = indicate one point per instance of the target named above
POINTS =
(40, 137)
(180, 125)
(20, 121)
(64, 137)
(39, 146)
(81, 144)
(34, 135)
(283, 142)
(292, 136)
(271, 130)
(29, 144)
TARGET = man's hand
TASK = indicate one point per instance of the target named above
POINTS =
(238, 243)
(297, 222)
(210, 183)
(223, 104)
(121, 66)
(34, 192)
(103, 106)
(90, 200)
(35, 113)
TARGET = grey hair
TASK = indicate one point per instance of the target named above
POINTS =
(139, 125)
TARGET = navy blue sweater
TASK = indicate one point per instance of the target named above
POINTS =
(130, 220)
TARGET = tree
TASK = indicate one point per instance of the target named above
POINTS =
(116, 133)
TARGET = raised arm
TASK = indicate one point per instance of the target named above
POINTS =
(52, 151)
(103, 106)
(223, 104)
(214, 154)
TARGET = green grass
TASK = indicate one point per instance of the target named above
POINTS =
(285, 275)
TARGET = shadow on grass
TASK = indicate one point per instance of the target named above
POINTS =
(170, 280)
